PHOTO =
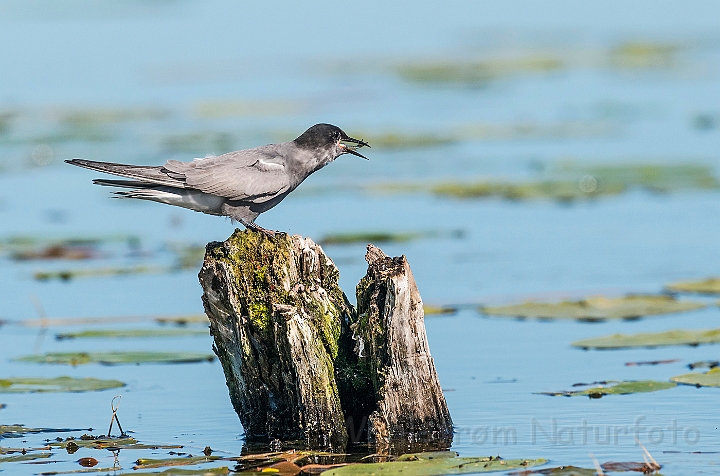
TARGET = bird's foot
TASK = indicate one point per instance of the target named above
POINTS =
(254, 227)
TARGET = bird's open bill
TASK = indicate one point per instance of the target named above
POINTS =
(353, 150)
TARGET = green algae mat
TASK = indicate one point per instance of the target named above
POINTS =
(710, 378)
(130, 333)
(117, 358)
(615, 388)
(25, 457)
(596, 308)
(651, 339)
(701, 286)
(58, 384)
(571, 183)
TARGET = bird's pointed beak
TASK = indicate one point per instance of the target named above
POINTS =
(350, 149)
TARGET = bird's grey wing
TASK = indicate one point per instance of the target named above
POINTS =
(254, 174)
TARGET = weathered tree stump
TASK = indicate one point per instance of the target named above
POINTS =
(301, 364)
(392, 348)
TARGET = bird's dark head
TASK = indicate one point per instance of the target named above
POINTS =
(327, 136)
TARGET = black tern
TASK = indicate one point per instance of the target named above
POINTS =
(241, 184)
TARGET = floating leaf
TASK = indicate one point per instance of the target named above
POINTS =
(617, 388)
(652, 362)
(58, 251)
(653, 177)
(25, 457)
(386, 237)
(477, 72)
(558, 471)
(636, 55)
(552, 190)
(183, 320)
(310, 469)
(647, 467)
(18, 431)
(116, 358)
(434, 464)
(651, 339)
(74, 321)
(369, 237)
(703, 286)
(130, 333)
(143, 463)
(596, 308)
(184, 472)
(68, 274)
(711, 378)
(58, 384)
(187, 256)
(569, 183)
(709, 364)
(405, 140)
(430, 310)
(105, 442)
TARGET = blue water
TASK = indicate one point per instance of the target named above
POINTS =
(279, 68)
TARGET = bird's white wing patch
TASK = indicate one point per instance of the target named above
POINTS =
(268, 166)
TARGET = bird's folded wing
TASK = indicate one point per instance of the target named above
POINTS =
(253, 174)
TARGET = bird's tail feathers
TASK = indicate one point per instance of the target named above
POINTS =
(144, 173)
(123, 183)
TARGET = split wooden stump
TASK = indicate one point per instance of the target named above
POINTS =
(302, 364)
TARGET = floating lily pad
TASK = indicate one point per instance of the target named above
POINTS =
(478, 72)
(130, 333)
(58, 384)
(368, 237)
(651, 362)
(143, 463)
(570, 183)
(68, 274)
(704, 364)
(642, 55)
(76, 321)
(651, 339)
(711, 378)
(405, 140)
(551, 190)
(386, 237)
(596, 308)
(184, 472)
(18, 431)
(647, 467)
(117, 358)
(431, 310)
(703, 286)
(183, 320)
(187, 256)
(431, 464)
(59, 251)
(25, 457)
(652, 177)
(105, 442)
(617, 388)
(558, 471)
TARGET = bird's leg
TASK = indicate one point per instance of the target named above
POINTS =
(255, 227)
